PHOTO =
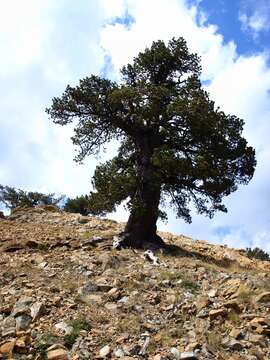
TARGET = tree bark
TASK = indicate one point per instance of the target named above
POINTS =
(140, 230)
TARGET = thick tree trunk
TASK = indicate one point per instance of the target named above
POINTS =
(140, 231)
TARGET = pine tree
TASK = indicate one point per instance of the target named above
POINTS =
(174, 142)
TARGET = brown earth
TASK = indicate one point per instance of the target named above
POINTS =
(66, 294)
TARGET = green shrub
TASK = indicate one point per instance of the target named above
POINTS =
(43, 343)
(77, 325)
(12, 198)
(257, 253)
(78, 205)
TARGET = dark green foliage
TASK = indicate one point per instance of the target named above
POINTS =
(11, 198)
(78, 325)
(78, 205)
(174, 142)
(257, 253)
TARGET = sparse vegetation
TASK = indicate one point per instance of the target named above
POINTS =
(257, 253)
(180, 279)
(80, 205)
(77, 325)
(12, 198)
(43, 343)
(234, 317)
(245, 294)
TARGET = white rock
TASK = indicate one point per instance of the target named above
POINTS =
(212, 293)
(37, 309)
(119, 353)
(176, 353)
(63, 326)
(188, 356)
(105, 351)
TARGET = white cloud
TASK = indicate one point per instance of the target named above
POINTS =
(157, 19)
(255, 16)
(44, 46)
(22, 33)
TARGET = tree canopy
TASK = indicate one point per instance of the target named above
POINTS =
(80, 205)
(174, 142)
(11, 198)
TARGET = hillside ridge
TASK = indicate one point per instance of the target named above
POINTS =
(65, 293)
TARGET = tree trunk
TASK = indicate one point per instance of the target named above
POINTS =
(140, 230)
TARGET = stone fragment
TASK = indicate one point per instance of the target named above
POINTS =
(88, 289)
(9, 327)
(23, 322)
(64, 327)
(7, 347)
(105, 351)
(36, 310)
(230, 287)
(264, 297)
(232, 344)
(203, 313)
(176, 353)
(119, 353)
(58, 354)
(202, 302)
(213, 314)
(188, 356)
(236, 333)
(212, 293)
(232, 304)
(257, 339)
(91, 299)
(144, 346)
(114, 294)
(111, 306)
(42, 265)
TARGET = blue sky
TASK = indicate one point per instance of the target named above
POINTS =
(45, 45)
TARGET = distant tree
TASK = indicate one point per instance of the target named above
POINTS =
(78, 205)
(11, 198)
(174, 142)
(257, 253)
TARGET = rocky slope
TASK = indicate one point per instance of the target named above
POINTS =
(66, 294)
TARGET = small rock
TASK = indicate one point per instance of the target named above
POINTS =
(23, 322)
(42, 265)
(119, 353)
(232, 344)
(9, 327)
(213, 314)
(232, 304)
(124, 300)
(212, 293)
(236, 333)
(111, 306)
(105, 351)
(37, 309)
(88, 289)
(264, 297)
(203, 313)
(176, 353)
(7, 347)
(188, 356)
(91, 299)
(58, 354)
(64, 327)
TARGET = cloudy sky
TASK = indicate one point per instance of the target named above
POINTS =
(47, 44)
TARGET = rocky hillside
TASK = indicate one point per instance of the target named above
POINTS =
(66, 294)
